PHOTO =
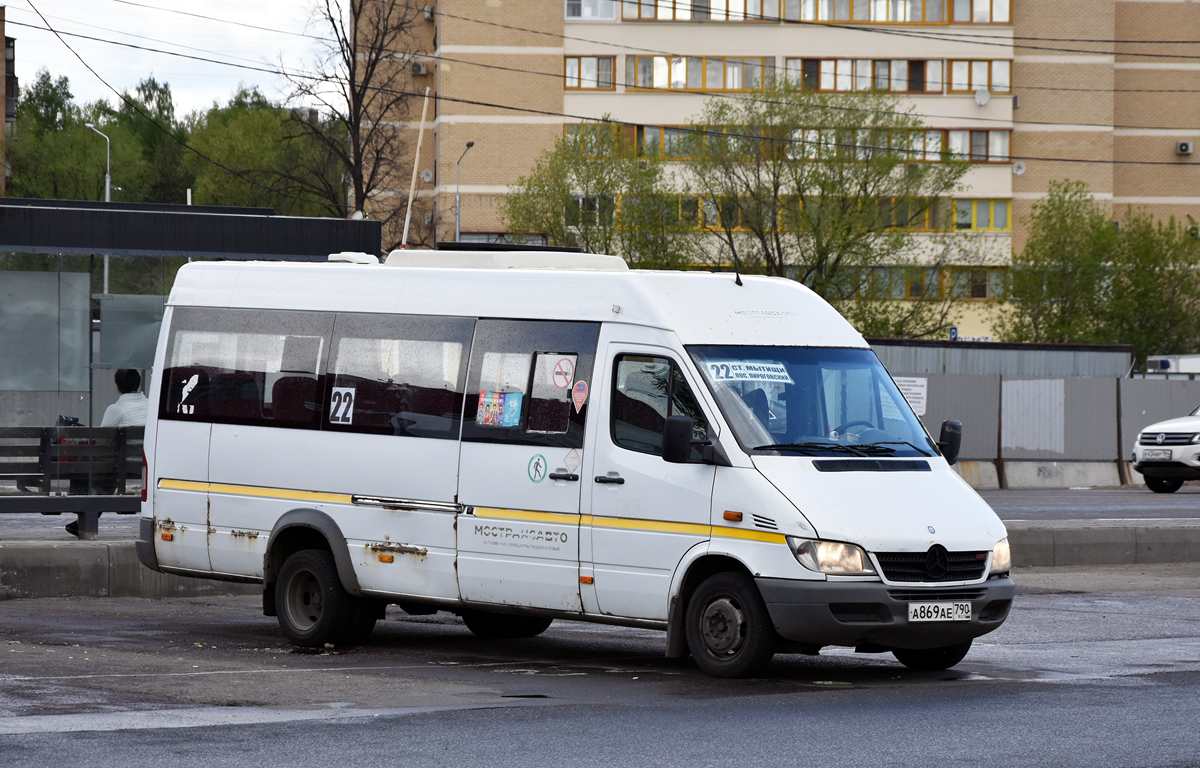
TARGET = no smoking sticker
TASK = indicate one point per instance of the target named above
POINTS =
(563, 374)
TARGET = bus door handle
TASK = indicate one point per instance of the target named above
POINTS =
(610, 479)
(570, 476)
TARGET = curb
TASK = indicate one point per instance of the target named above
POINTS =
(95, 569)
(31, 569)
(1104, 542)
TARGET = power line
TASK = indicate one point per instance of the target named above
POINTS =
(581, 118)
(137, 108)
(726, 96)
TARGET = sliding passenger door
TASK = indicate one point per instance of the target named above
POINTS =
(523, 434)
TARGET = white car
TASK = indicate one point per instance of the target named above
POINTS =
(1168, 452)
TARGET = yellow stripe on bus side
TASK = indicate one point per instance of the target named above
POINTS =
(526, 515)
(741, 533)
(661, 526)
(251, 490)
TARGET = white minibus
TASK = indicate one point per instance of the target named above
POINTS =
(523, 436)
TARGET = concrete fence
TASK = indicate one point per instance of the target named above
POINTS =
(1027, 432)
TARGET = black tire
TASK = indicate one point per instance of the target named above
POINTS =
(498, 626)
(365, 612)
(313, 608)
(728, 629)
(932, 658)
(1163, 484)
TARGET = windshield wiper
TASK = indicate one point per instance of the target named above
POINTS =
(814, 446)
(883, 443)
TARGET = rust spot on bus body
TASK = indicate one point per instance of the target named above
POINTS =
(244, 534)
(385, 547)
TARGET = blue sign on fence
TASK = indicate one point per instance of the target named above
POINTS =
(954, 333)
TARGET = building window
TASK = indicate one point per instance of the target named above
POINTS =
(589, 72)
(587, 139)
(978, 284)
(701, 10)
(590, 9)
(866, 11)
(897, 75)
(697, 73)
(971, 76)
(979, 146)
(590, 211)
(982, 11)
(982, 215)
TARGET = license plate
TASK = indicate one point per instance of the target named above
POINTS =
(939, 611)
(1164, 453)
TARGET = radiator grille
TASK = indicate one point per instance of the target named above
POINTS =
(906, 595)
(935, 565)
(1169, 438)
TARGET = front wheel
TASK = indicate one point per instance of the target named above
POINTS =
(729, 631)
(313, 607)
(932, 658)
(1163, 484)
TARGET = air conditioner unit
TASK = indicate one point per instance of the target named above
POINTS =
(429, 13)
(420, 68)
(1185, 147)
(429, 219)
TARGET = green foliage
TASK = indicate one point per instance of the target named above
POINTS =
(593, 192)
(250, 135)
(823, 188)
(1081, 279)
(54, 155)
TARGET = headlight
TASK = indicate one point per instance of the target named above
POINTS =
(1196, 438)
(1001, 557)
(830, 556)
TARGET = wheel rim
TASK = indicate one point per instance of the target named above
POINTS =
(723, 627)
(304, 600)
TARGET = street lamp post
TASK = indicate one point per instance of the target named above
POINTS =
(457, 197)
(107, 164)
(107, 188)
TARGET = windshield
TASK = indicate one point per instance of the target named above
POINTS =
(811, 401)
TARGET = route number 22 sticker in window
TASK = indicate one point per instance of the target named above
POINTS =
(341, 406)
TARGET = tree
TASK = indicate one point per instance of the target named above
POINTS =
(148, 113)
(829, 189)
(592, 191)
(250, 135)
(54, 155)
(1081, 279)
(358, 86)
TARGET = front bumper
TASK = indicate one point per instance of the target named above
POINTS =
(1171, 470)
(876, 614)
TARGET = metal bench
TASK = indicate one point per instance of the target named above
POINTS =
(74, 470)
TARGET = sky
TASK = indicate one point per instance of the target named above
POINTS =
(151, 23)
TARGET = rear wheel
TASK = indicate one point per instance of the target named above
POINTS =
(1163, 484)
(932, 658)
(504, 625)
(729, 631)
(313, 607)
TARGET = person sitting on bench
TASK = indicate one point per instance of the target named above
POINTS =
(128, 411)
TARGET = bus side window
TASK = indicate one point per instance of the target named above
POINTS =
(251, 367)
(645, 391)
(522, 379)
(398, 375)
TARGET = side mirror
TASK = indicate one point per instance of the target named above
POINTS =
(677, 439)
(951, 440)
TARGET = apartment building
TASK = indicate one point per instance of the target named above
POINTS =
(9, 108)
(1005, 82)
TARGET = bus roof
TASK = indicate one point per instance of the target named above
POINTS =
(700, 307)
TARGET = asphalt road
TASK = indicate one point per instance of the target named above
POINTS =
(1095, 667)
(1095, 504)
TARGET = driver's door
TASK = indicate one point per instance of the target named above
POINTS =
(645, 513)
